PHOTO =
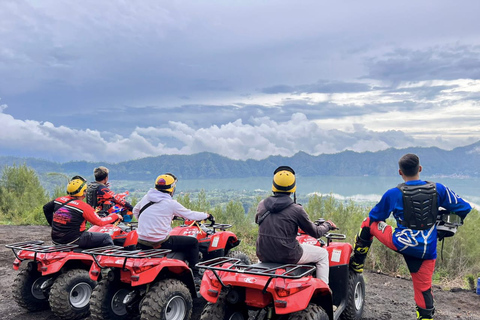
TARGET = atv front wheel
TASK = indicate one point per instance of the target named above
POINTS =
(168, 299)
(27, 292)
(244, 259)
(70, 294)
(312, 312)
(355, 297)
(107, 301)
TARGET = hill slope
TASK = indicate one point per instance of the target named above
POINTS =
(462, 161)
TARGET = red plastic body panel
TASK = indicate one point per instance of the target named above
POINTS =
(49, 263)
(255, 284)
(146, 269)
(339, 253)
(218, 240)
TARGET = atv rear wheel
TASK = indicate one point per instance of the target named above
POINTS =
(222, 310)
(167, 299)
(355, 297)
(70, 294)
(244, 259)
(312, 312)
(107, 301)
(26, 290)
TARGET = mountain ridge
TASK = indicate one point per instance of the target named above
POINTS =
(461, 161)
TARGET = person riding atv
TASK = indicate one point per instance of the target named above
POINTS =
(279, 218)
(67, 215)
(154, 214)
(104, 200)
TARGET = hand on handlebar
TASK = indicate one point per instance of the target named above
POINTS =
(332, 225)
(211, 219)
(119, 217)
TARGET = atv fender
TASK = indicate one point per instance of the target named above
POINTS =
(221, 239)
(149, 275)
(300, 300)
(56, 266)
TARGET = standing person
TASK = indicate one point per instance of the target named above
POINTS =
(101, 198)
(68, 215)
(279, 217)
(414, 205)
(155, 213)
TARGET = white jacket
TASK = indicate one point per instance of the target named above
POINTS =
(155, 222)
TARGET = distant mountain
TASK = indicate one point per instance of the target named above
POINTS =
(462, 161)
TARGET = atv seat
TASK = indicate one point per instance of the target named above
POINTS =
(176, 255)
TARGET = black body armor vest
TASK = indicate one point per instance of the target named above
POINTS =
(419, 205)
(91, 198)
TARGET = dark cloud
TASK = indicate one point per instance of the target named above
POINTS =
(434, 63)
(322, 86)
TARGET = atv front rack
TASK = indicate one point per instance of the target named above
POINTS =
(117, 251)
(37, 247)
(285, 271)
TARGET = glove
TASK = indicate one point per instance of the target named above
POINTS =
(332, 225)
(119, 216)
(211, 219)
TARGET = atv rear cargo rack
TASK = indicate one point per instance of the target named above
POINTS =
(38, 247)
(290, 271)
(120, 252)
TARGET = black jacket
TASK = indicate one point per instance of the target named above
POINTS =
(277, 233)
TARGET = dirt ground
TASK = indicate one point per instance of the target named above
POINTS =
(386, 297)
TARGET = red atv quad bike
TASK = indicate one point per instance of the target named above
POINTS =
(56, 276)
(154, 283)
(283, 291)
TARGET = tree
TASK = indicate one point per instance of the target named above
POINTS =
(21, 196)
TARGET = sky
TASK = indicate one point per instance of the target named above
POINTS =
(120, 80)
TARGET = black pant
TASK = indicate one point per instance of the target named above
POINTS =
(186, 245)
(94, 239)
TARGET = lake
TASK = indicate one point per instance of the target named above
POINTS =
(359, 189)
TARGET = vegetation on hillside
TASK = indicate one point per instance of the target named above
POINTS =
(462, 161)
(22, 197)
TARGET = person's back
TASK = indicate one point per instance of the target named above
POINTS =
(277, 234)
(155, 212)
(279, 218)
(414, 205)
(68, 216)
(102, 199)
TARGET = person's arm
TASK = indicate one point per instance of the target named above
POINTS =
(452, 202)
(385, 207)
(48, 211)
(260, 210)
(91, 216)
(104, 194)
(309, 227)
(183, 212)
(136, 209)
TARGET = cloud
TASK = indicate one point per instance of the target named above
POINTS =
(445, 62)
(235, 140)
(322, 86)
(425, 113)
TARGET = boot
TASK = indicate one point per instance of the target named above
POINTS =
(425, 314)
(360, 251)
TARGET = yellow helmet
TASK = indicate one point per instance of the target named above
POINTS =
(77, 186)
(166, 182)
(284, 180)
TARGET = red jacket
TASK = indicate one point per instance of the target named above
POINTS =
(68, 217)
